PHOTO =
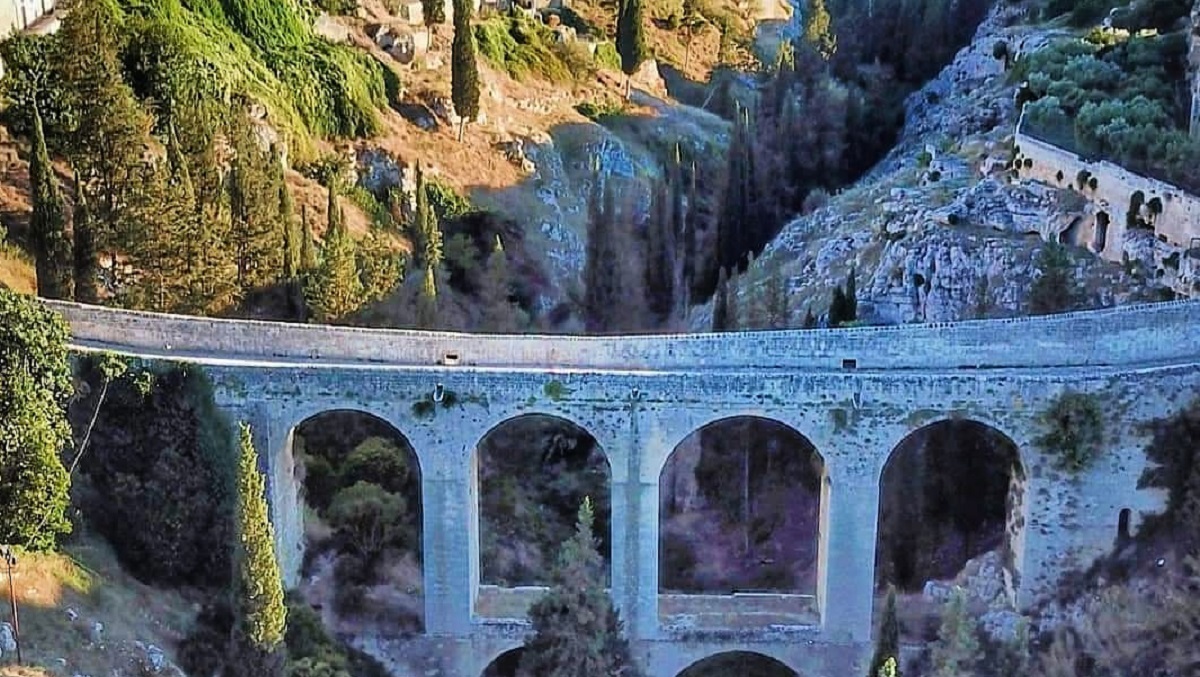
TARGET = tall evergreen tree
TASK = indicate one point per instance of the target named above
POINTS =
(379, 267)
(334, 289)
(308, 245)
(631, 38)
(261, 614)
(36, 378)
(500, 314)
(851, 296)
(1053, 291)
(887, 646)
(253, 208)
(289, 238)
(660, 266)
(720, 320)
(425, 229)
(48, 224)
(427, 301)
(576, 630)
(110, 126)
(86, 263)
(810, 320)
(464, 72)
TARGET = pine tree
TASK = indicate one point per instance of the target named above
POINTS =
(957, 650)
(818, 29)
(427, 302)
(261, 614)
(86, 262)
(253, 208)
(887, 646)
(433, 11)
(631, 38)
(334, 289)
(1053, 291)
(464, 72)
(48, 224)
(772, 304)
(379, 267)
(576, 630)
(156, 241)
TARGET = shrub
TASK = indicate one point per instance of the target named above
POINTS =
(380, 461)
(607, 57)
(1074, 431)
(162, 465)
(923, 159)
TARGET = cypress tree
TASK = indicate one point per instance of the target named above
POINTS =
(576, 630)
(48, 224)
(837, 307)
(427, 310)
(887, 647)
(262, 616)
(499, 312)
(721, 303)
(810, 320)
(334, 219)
(308, 247)
(659, 266)
(289, 242)
(87, 263)
(464, 72)
(631, 38)
(851, 296)
(598, 273)
(334, 289)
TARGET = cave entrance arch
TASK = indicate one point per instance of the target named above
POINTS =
(531, 473)
(361, 486)
(504, 665)
(951, 504)
(741, 503)
(741, 663)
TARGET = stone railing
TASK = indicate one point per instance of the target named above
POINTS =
(1128, 335)
(738, 610)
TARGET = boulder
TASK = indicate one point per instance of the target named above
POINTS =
(8, 639)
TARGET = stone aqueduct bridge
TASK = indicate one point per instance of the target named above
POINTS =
(854, 393)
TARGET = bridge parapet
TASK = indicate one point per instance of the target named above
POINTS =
(1128, 335)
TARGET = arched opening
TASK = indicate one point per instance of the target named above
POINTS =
(361, 486)
(505, 665)
(533, 473)
(741, 663)
(1101, 239)
(950, 510)
(739, 511)
(1123, 525)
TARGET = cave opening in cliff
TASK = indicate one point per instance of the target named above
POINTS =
(950, 492)
(361, 485)
(739, 506)
(533, 473)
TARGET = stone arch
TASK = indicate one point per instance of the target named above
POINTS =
(509, 478)
(335, 449)
(967, 478)
(764, 554)
(743, 663)
(504, 665)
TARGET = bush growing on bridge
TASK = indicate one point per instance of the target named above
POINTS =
(1074, 435)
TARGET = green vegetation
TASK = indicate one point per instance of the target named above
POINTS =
(631, 38)
(887, 643)
(464, 72)
(957, 651)
(37, 387)
(1074, 431)
(1120, 102)
(576, 630)
(161, 455)
(1054, 290)
(48, 223)
(1174, 453)
(313, 653)
(262, 616)
(525, 48)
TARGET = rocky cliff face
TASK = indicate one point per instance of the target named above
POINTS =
(939, 230)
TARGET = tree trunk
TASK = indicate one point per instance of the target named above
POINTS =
(462, 127)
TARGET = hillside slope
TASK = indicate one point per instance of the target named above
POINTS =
(937, 231)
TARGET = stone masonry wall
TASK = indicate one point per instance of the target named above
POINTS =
(1174, 229)
(1124, 335)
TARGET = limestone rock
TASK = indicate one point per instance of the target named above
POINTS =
(96, 633)
(937, 591)
(8, 639)
(1001, 624)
